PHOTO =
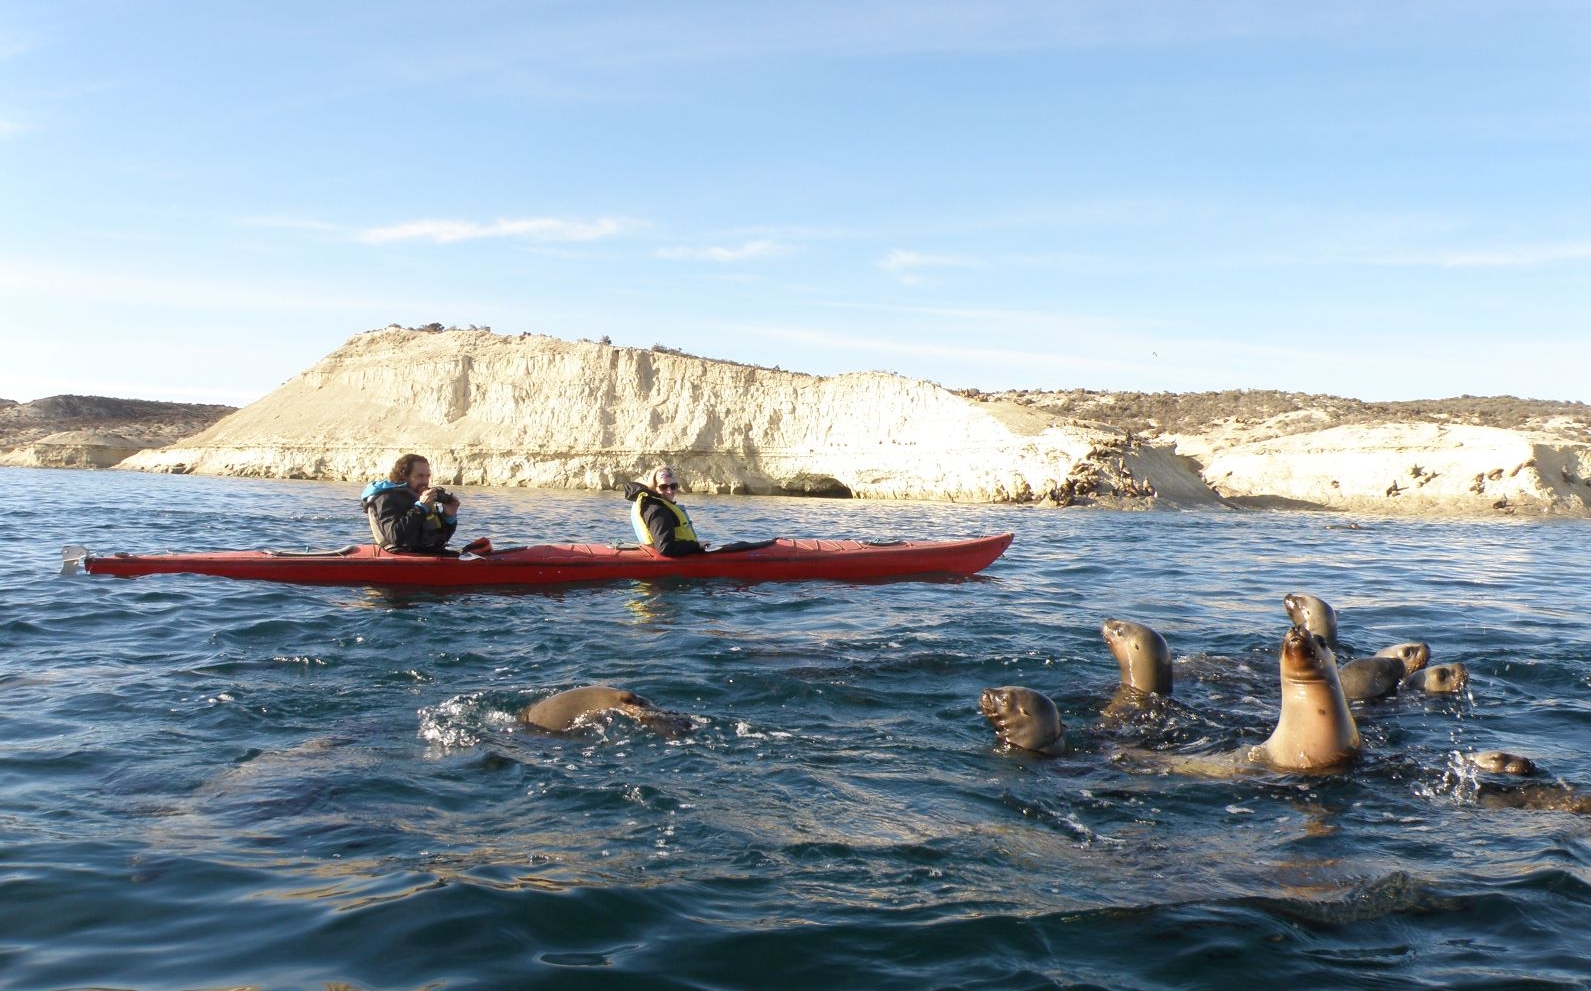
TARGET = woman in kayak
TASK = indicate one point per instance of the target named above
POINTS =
(659, 522)
(406, 513)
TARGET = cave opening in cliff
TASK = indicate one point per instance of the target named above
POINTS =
(820, 487)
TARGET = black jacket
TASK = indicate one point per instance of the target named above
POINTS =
(660, 522)
(404, 523)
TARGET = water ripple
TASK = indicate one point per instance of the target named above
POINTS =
(214, 783)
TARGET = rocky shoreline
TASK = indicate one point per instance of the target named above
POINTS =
(537, 411)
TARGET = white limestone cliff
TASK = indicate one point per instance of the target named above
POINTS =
(538, 411)
(529, 410)
(1407, 469)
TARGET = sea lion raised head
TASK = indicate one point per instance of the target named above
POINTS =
(1315, 731)
(566, 711)
(1024, 718)
(1313, 614)
(1141, 653)
(1437, 679)
(1414, 654)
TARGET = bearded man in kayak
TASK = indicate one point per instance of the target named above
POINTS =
(659, 522)
(406, 513)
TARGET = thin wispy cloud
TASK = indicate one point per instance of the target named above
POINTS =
(697, 32)
(1520, 256)
(907, 266)
(962, 354)
(543, 229)
(1124, 362)
(13, 45)
(746, 252)
(290, 223)
(1043, 321)
(43, 280)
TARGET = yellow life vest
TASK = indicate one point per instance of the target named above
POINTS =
(682, 527)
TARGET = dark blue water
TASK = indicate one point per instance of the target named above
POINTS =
(216, 784)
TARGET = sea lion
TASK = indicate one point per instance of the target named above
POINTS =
(1313, 614)
(1503, 762)
(1379, 676)
(1415, 654)
(1557, 797)
(1141, 653)
(1437, 679)
(566, 711)
(1024, 718)
(1315, 731)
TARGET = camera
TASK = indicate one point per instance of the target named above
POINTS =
(442, 495)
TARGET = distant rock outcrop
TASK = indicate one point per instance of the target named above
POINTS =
(94, 431)
(74, 449)
(1418, 469)
(1468, 455)
(543, 412)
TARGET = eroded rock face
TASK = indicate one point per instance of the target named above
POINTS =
(1409, 469)
(538, 411)
(74, 449)
(94, 431)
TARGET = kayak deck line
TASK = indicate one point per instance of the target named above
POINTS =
(779, 559)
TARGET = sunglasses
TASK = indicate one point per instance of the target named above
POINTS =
(668, 485)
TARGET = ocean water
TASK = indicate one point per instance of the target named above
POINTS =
(217, 784)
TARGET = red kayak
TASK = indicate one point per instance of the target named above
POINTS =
(545, 564)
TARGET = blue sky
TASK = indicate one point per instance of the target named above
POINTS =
(1382, 200)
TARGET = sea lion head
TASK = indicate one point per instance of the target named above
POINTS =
(671, 725)
(1312, 613)
(1023, 718)
(1414, 655)
(1438, 679)
(1142, 654)
(1502, 762)
(1306, 659)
